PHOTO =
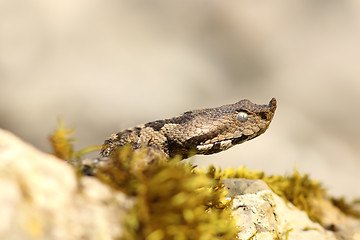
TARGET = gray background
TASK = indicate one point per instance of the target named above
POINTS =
(107, 65)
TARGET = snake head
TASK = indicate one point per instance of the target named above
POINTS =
(203, 131)
(217, 129)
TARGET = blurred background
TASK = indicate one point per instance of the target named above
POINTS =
(103, 66)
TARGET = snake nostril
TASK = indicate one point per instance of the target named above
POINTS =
(264, 115)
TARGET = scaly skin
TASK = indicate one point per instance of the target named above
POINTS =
(205, 131)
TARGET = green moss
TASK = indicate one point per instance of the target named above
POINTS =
(171, 201)
(298, 189)
(347, 207)
(287, 233)
(177, 201)
(62, 144)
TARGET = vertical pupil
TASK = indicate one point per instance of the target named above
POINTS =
(242, 116)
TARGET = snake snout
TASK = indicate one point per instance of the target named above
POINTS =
(272, 105)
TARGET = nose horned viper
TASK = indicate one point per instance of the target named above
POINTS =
(204, 131)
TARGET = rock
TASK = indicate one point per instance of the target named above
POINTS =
(237, 186)
(261, 214)
(42, 198)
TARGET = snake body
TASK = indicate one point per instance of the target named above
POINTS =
(205, 131)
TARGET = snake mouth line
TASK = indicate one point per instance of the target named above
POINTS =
(222, 145)
(219, 146)
(169, 140)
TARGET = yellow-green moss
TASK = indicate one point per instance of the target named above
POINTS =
(171, 201)
(347, 207)
(62, 144)
(177, 201)
(298, 189)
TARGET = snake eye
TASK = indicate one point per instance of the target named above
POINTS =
(242, 116)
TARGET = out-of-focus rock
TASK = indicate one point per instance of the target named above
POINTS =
(42, 198)
(261, 214)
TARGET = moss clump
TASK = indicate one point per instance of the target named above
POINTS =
(298, 189)
(61, 142)
(171, 201)
(177, 201)
(62, 145)
(347, 207)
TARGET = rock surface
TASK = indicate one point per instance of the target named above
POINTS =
(261, 214)
(42, 198)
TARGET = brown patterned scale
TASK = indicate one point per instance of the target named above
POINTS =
(205, 131)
